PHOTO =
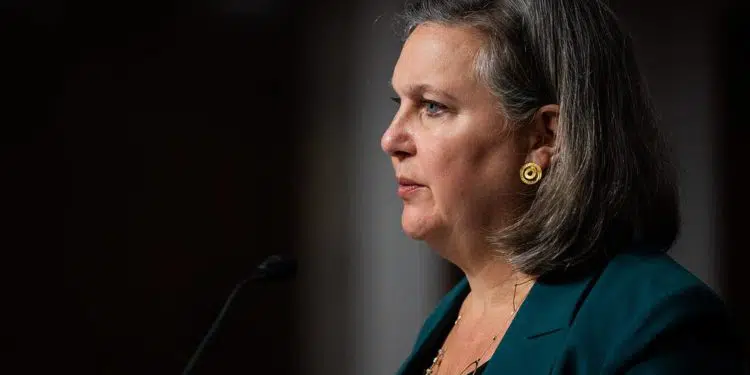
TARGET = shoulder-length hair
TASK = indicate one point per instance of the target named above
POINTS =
(611, 184)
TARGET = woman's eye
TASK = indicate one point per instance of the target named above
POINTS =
(433, 108)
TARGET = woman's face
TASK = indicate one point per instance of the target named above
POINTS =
(458, 167)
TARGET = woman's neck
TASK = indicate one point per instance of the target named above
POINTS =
(495, 285)
(492, 280)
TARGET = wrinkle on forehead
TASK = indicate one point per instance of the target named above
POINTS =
(439, 56)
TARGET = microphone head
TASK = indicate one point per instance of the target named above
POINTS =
(275, 268)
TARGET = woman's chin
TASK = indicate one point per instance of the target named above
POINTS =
(415, 235)
(415, 226)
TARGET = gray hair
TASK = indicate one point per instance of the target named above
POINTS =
(611, 184)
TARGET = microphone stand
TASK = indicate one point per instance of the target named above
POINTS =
(274, 268)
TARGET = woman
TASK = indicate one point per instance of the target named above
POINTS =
(526, 154)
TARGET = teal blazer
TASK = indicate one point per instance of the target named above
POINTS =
(640, 314)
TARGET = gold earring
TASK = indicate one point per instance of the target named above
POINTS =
(531, 173)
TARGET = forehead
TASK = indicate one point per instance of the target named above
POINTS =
(439, 56)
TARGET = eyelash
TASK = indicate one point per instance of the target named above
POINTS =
(441, 107)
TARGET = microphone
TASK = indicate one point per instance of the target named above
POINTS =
(274, 268)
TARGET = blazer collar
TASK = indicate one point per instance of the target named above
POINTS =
(534, 338)
(551, 305)
(451, 300)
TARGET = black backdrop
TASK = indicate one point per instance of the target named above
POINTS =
(151, 146)
(735, 58)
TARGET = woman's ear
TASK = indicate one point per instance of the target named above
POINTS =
(543, 135)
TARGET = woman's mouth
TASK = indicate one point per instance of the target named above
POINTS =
(407, 187)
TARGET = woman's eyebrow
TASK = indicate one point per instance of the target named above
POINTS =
(415, 90)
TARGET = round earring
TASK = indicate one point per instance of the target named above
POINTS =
(531, 173)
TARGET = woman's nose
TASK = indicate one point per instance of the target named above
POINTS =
(397, 141)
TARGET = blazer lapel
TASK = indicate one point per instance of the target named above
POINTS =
(454, 296)
(535, 337)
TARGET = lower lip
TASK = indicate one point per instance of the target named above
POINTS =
(406, 190)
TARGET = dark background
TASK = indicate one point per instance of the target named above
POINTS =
(735, 81)
(146, 145)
